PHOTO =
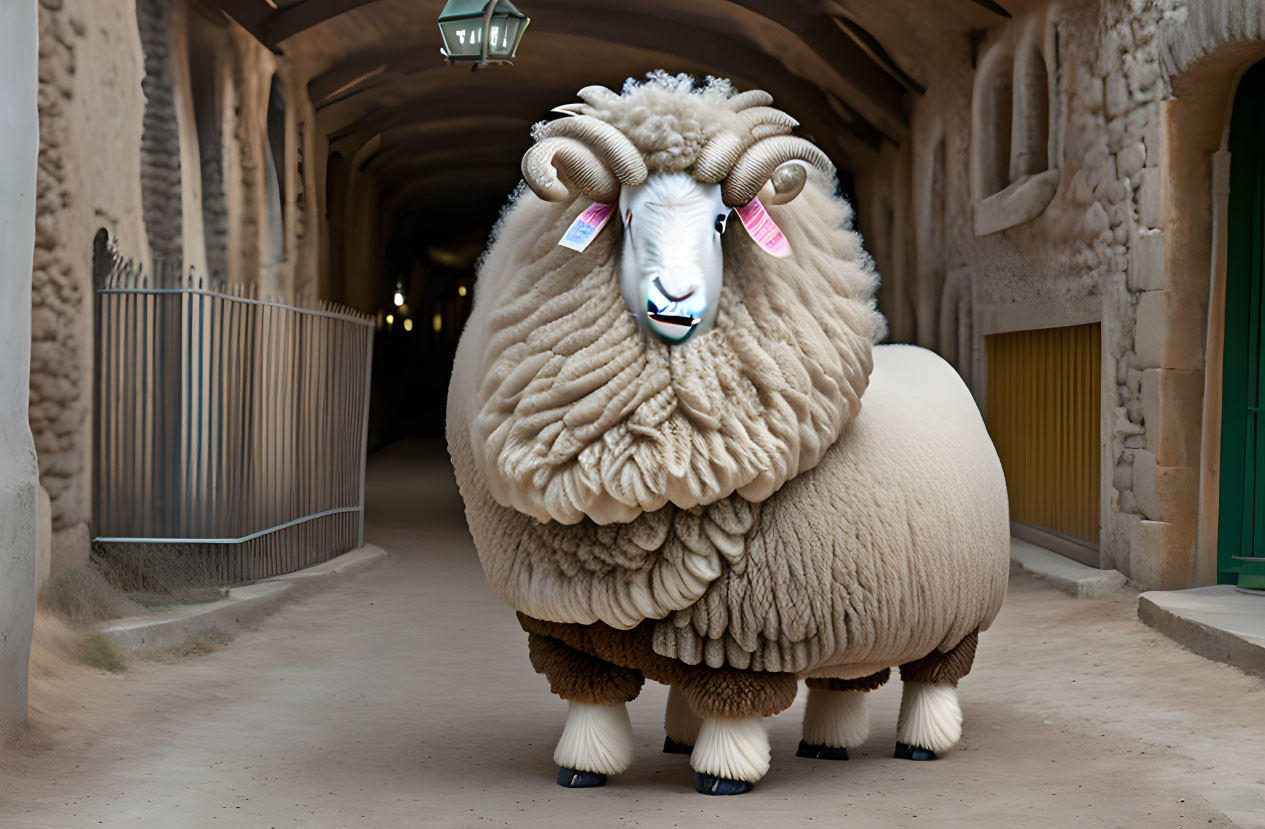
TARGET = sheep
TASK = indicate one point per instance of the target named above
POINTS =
(666, 465)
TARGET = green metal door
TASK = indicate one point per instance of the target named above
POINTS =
(1241, 534)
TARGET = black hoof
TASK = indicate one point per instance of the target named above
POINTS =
(671, 746)
(574, 779)
(905, 751)
(711, 784)
(819, 752)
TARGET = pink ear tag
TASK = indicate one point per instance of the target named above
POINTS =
(763, 229)
(585, 227)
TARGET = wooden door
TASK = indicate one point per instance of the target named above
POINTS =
(1241, 525)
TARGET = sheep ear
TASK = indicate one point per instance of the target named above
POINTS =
(762, 229)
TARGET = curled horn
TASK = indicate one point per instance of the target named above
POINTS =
(765, 121)
(597, 96)
(748, 99)
(781, 159)
(592, 155)
(723, 150)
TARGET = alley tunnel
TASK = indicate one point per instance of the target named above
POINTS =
(254, 231)
(1001, 161)
(421, 156)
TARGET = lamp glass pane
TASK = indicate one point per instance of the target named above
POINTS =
(503, 34)
(463, 37)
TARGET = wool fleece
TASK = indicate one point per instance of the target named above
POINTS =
(777, 495)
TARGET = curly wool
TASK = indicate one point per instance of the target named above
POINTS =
(896, 545)
(731, 489)
(668, 117)
(581, 415)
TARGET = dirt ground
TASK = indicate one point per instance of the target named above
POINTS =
(404, 697)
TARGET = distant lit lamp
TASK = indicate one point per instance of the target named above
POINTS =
(398, 299)
(483, 31)
(408, 324)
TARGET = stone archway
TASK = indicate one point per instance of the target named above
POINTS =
(1204, 57)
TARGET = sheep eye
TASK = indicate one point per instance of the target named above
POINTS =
(721, 221)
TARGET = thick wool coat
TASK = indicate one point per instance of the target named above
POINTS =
(773, 504)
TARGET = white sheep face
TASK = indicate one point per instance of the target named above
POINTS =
(671, 268)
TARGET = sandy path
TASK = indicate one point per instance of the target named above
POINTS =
(404, 698)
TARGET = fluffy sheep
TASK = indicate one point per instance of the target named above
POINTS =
(684, 458)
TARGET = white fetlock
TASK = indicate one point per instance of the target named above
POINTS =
(597, 738)
(840, 719)
(735, 749)
(680, 723)
(930, 716)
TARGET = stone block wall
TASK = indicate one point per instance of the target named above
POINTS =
(1096, 252)
(160, 142)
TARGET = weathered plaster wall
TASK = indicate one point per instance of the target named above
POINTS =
(90, 105)
(246, 82)
(18, 474)
(187, 91)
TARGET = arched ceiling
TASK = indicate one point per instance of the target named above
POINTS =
(439, 135)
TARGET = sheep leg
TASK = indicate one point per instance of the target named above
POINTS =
(730, 756)
(597, 740)
(837, 716)
(930, 720)
(731, 752)
(680, 724)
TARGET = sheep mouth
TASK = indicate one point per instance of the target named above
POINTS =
(672, 328)
(669, 319)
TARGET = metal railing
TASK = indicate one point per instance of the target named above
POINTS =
(230, 428)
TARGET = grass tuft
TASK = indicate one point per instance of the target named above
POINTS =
(203, 642)
(84, 596)
(97, 651)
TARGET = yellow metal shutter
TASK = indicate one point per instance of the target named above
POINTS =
(1043, 410)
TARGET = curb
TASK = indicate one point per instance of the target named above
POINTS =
(244, 608)
(1217, 622)
(1072, 577)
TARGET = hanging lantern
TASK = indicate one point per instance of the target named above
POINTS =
(484, 31)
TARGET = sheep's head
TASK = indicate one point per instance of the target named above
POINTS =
(578, 413)
(671, 266)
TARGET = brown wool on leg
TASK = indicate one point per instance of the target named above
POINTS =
(938, 668)
(578, 677)
(862, 683)
(710, 692)
(734, 694)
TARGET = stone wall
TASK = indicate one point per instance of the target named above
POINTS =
(153, 128)
(1093, 250)
(160, 141)
(1128, 68)
(90, 105)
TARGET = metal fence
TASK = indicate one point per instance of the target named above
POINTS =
(230, 429)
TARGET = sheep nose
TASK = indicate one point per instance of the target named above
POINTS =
(676, 293)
